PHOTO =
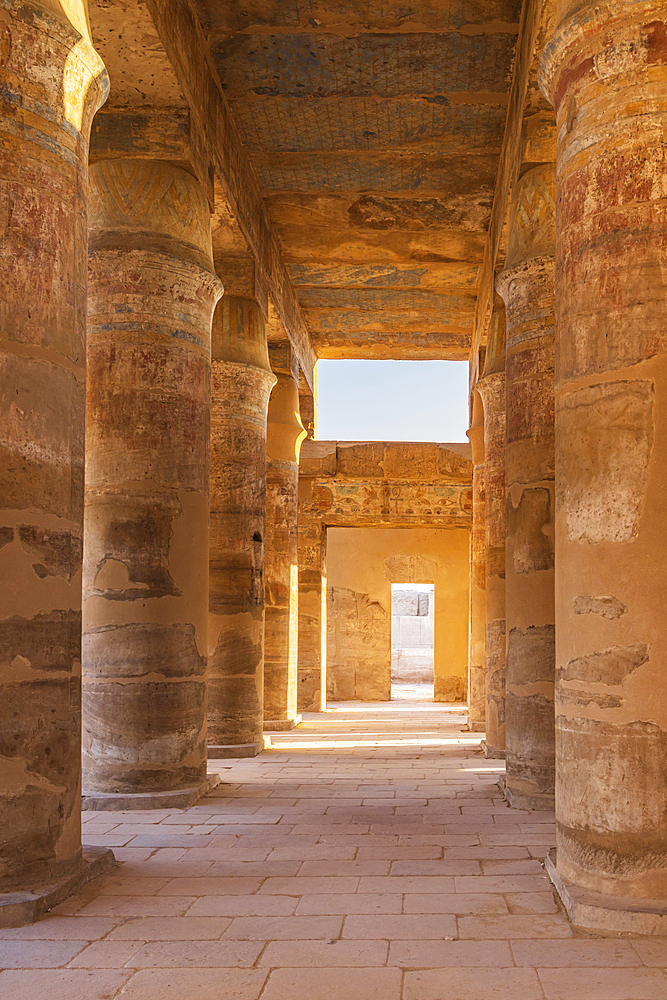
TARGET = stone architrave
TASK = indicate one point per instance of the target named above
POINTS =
(285, 435)
(52, 82)
(605, 71)
(477, 613)
(527, 287)
(241, 381)
(145, 581)
(491, 388)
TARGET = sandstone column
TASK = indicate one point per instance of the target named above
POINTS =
(284, 436)
(240, 386)
(152, 295)
(312, 674)
(477, 622)
(605, 70)
(527, 287)
(491, 388)
(52, 83)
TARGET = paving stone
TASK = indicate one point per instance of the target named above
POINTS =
(467, 983)
(334, 983)
(107, 955)
(62, 984)
(284, 928)
(534, 926)
(317, 954)
(190, 928)
(198, 954)
(652, 951)
(577, 954)
(56, 928)
(454, 902)
(38, 954)
(242, 906)
(188, 984)
(603, 984)
(403, 926)
(447, 954)
(345, 903)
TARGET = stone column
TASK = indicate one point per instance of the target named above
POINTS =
(241, 382)
(477, 623)
(312, 687)
(491, 388)
(605, 70)
(284, 436)
(52, 83)
(527, 287)
(152, 295)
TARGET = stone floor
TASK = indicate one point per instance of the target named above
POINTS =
(405, 691)
(368, 856)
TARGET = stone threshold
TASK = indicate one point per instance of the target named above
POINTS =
(20, 908)
(282, 725)
(183, 798)
(600, 911)
(229, 750)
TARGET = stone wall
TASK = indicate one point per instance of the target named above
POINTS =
(362, 563)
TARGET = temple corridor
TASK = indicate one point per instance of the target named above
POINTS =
(369, 855)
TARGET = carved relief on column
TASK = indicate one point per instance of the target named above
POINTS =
(241, 382)
(527, 287)
(284, 438)
(491, 388)
(153, 291)
(605, 71)
(477, 623)
(52, 82)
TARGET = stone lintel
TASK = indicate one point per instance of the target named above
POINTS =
(600, 911)
(20, 908)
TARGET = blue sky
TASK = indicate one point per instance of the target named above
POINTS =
(392, 400)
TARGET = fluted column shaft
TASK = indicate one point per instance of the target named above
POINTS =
(152, 295)
(492, 390)
(477, 624)
(605, 70)
(284, 437)
(241, 382)
(527, 287)
(52, 82)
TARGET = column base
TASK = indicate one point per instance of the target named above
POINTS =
(230, 750)
(476, 727)
(20, 908)
(281, 725)
(523, 800)
(117, 801)
(492, 752)
(600, 911)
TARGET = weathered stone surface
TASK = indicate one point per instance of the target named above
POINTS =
(604, 70)
(358, 647)
(148, 391)
(492, 391)
(527, 287)
(285, 434)
(52, 82)
(241, 381)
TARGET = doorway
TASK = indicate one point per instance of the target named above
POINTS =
(412, 641)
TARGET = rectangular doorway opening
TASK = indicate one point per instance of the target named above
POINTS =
(412, 641)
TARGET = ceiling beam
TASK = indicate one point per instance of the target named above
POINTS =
(182, 36)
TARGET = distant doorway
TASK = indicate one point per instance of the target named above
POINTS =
(412, 640)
